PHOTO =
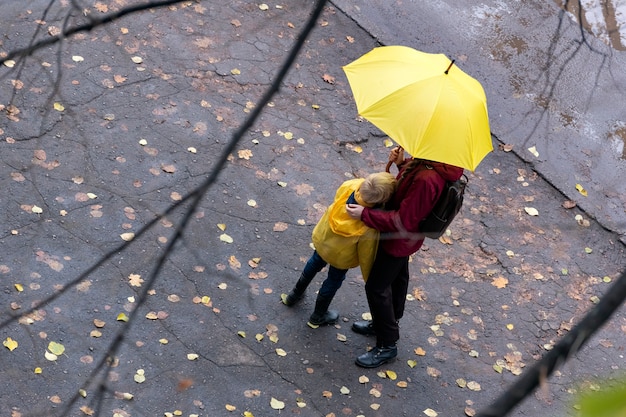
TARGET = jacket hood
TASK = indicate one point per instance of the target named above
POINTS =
(447, 172)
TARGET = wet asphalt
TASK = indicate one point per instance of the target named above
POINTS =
(149, 104)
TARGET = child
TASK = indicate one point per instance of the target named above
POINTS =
(342, 242)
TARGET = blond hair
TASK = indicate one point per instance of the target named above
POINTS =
(377, 188)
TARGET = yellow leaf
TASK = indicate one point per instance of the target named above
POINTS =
(139, 377)
(533, 150)
(127, 236)
(430, 412)
(37, 210)
(221, 226)
(230, 407)
(510, 326)
(402, 384)
(363, 379)
(581, 189)
(10, 344)
(19, 287)
(122, 317)
(226, 238)
(137, 59)
(473, 385)
(276, 404)
(241, 333)
(58, 107)
(411, 363)
(82, 393)
(247, 414)
(56, 348)
(252, 203)
(235, 71)
(163, 341)
(38, 370)
(344, 390)
(259, 337)
(531, 211)
(391, 375)
(388, 143)
(50, 356)
(281, 352)
(192, 356)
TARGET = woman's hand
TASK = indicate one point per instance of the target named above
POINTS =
(396, 155)
(354, 211)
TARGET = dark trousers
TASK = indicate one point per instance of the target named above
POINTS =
(386, 290)
(333, 280)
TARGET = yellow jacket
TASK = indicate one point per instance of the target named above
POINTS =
(342, 241)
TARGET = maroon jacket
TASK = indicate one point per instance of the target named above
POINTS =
(414, 198)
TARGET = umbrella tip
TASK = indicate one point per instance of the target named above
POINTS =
(449, 66)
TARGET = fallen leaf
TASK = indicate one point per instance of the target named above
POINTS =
(430, 412)
(533, 150)
(226, 238)
(500, 282)
(10, 344)
(135, 280)
(127, 237)
(328, 78)
(276, 404)
(581, 190)
(531, 211)
(280, 227)
(56, 348)
(192, 356)
(139, 376)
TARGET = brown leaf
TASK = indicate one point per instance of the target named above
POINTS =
(500, 282)
(328, 78)
(280, 227)
(169, 168)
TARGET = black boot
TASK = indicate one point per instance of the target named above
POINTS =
(365, 327)
(322, 315)
(377, 356)
(297, 292)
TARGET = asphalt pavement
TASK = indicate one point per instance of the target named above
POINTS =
(101, 137)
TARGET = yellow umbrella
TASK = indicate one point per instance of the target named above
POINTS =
(422, 101)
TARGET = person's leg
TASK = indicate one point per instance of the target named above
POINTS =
(380, 297)
(399, 289)
(321, 314)
(314, 265)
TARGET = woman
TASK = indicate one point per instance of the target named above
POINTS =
(420, 184)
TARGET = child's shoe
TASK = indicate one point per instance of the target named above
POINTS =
(317, 320)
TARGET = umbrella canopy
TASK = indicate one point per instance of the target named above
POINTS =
(423, 102)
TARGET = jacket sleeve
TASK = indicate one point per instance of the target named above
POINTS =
(418, 200)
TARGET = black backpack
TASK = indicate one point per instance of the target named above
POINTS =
(435, 224)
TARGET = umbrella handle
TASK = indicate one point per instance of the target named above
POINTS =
(388, 167)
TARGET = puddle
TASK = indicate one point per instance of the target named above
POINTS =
(604, 19)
